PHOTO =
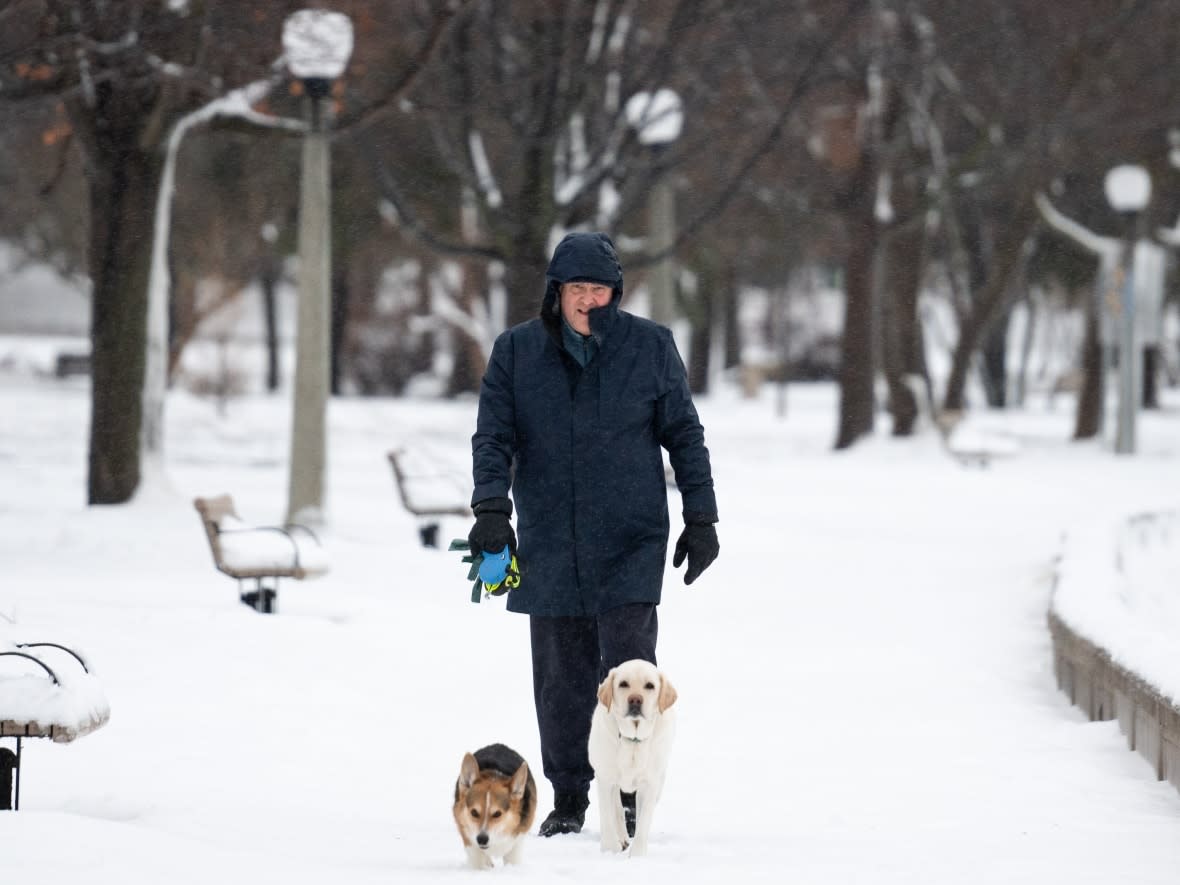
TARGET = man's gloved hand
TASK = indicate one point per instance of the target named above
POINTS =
(492, 529)
(699, 543)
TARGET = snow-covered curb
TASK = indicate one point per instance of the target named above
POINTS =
(1113, 619)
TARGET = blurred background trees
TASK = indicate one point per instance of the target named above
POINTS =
(853, 187)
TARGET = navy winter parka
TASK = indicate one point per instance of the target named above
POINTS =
(580, 448)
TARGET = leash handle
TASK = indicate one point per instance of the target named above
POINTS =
(493, 573)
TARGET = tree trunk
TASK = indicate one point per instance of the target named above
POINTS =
(856, 353)
(341, 300)
(1088, 421)
(1032, 315)
(269, 281)
(468, 357)
(419, 360)
(123, 185)
(732, 328)
(703, 319)
(995, 343)
(989, 300)
(716, 278)
(1151, 362)
(995, 362)
(524, 273)
(182, 317)
(900, 330)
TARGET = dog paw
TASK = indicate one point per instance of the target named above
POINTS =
(478, 860)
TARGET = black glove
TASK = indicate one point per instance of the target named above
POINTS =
(492, 529)
(699, 543)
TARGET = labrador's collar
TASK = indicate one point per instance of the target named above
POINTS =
(631, 740)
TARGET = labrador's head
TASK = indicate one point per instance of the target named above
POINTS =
(636, 693)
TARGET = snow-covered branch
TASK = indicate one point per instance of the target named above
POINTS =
(1169, 236)
(1106, 247)
(446, 310)
(239, 104)
(483, 170)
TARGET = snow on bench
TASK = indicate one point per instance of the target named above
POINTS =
(46, 690)
(429, 488)
(259, 553)
(971, 445)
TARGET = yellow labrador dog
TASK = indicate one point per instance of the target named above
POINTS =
(630, 742)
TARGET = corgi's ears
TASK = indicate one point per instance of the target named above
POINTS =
(667, 694)
(606, 691)
(468, 771)
(520, 780)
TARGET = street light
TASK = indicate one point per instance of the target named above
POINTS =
(317, 45)
(657, 118)
(1128, 190)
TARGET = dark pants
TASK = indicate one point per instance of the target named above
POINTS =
(571, 657)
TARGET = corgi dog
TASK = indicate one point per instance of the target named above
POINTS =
(495, 803)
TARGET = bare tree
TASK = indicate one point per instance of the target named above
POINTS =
(526, 107)
(1046, 89)
(126, 71)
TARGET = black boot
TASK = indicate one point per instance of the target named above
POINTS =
(628, 800)
(568, 814)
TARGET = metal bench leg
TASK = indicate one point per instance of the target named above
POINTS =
(261, 599)
(10, 775)
(428, 534)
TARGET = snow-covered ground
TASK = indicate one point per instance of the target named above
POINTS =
(866, 690)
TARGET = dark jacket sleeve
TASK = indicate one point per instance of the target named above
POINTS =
(494, 441)
(679, 430)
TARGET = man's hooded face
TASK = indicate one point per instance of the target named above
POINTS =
(584, 274)
(578, 299)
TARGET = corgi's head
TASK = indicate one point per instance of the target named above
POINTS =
(493, 809)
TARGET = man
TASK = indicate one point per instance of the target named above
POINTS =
(573, 411)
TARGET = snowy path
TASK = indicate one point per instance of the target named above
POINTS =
(865, 681)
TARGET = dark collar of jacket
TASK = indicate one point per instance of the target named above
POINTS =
(581, 347)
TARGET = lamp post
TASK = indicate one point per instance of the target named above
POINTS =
(657, 118)
(317, 45)
(1128, 190)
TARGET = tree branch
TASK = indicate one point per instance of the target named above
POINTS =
(409, 219)
(727, 192)
(374, 110)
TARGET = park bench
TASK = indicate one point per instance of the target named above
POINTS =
(429, 488)
(972, 447)
(261, 554)
(68, 364)
(46, 691)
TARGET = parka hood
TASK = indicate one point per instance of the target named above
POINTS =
(582, 256)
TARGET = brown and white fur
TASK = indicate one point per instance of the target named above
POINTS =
(495, 803)
(630, 742)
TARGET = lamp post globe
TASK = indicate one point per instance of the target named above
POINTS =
(1128, 188)
(317, 43)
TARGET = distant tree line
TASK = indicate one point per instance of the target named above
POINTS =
(903, 142)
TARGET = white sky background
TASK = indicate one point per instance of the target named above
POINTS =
(866, 690)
